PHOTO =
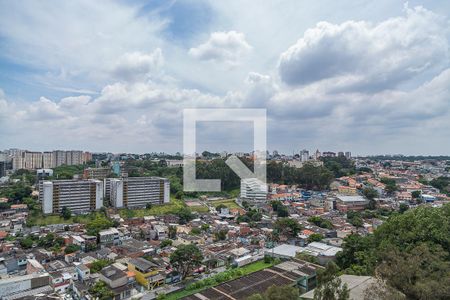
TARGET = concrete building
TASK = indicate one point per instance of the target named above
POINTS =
(97, 173)
(33, 283)
(254, 189)
(17, 156)
(59, 158)
(134, 192)
(346, 203)
(109, 236)
(77, 195)
(47, 160)
(2, 168)
(43, 173)
(35, 160)
(304, 155)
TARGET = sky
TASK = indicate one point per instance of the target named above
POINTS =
(370, 77)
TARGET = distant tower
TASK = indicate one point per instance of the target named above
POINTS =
(304, 155)
(116, 168)
(317, 155)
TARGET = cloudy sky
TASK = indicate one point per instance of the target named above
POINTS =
(365, 76)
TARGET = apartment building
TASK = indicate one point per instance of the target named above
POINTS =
(134, 192)
(254, 189)
(36, 160)
(109, 236)
(32, 160)
(77, 195)
(47, 160)
(97, 173)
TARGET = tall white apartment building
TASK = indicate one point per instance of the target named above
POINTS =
(17, 156)
(47, 160)
(134, 192)
(59, 158)
(77, 195)
(254, 189)
(32, 160)
(304, 155)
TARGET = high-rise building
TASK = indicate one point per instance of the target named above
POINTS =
(77, 195)
(2, 168)
(304, 155)
(317, 155)
(87, 157)
(59, 158)
(97, 173)
(328, 154)
(17, 156)
(348, 154)
(47, 160)
(254, 189)
(32, 160)
(136, 192)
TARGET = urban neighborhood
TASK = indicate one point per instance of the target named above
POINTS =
(80, 225)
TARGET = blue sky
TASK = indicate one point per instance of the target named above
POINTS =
(365, 76)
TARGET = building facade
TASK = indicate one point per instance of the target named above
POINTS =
(77, 195)
(134, 192)
(254, 189)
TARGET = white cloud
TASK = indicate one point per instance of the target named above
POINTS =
(75, 43)
(367, 86)
(138, 66)
(367, 57)
(228, 47)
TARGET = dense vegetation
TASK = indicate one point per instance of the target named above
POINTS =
(309, 176)
(340, 165)
(410, 251)
(442, 183)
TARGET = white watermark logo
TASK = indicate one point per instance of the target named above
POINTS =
(192, 116)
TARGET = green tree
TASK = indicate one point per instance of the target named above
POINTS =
(321, 222)
(403, 207)
(99, 264)
(315, 237)
(282, 212)
(99, 222)
(287, 227)
(165, 243)
(330, 286)
(172, 232)
(26, 243)
(354, 218)
(416, 194)
(66, 213)
(71, 248)
(422, 273)
(185, 215)
(221, 235)
(186, 258)
(196, 231)
(101, 291)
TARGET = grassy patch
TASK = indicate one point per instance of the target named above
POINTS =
(245, 270)
(199, 208)
(227, 202)
(156, 210)
(39, 219)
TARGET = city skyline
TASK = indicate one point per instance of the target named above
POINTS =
(371, 78)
